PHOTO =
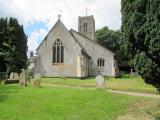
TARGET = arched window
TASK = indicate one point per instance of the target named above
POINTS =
(100, 62)
(85, 27)
(58, 52)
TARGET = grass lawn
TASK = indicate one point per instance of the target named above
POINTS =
(60, 103)
(125, 83)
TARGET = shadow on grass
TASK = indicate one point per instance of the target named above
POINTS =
(5, 90)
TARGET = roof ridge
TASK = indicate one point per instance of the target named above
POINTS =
(58, 21)
(83, 49)
(91, 40)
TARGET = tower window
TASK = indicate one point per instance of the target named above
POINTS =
(85, 27)
(58, 52)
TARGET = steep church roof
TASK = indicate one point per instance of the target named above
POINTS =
(73, 31)
(58, 22)
(83, 51)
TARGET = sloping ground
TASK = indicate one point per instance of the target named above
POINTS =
(59, 103)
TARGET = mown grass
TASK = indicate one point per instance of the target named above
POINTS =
(142, 110)
(60, 103)
(125, 83)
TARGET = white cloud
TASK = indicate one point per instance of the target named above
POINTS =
(34, 37)
(106, 13)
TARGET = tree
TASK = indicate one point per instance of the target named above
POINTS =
(112, 40)
(3, 44)
(141, 37)
(109, 38)
(20, 44)
(13, 46)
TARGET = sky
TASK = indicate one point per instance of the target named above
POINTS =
(39, 16)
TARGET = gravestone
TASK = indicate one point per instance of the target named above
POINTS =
(23, 78)
(13, 76)
(37, 80)
(28, 75)
(100, 82)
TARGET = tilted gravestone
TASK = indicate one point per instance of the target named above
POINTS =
(23, 78)
(100, 82)
(37, 80)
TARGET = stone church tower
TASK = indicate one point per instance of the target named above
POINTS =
(86, 26)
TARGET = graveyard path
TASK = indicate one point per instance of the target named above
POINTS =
(134, 93)
(67, 86)
(108, 90)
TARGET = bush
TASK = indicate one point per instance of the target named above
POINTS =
(157, 117)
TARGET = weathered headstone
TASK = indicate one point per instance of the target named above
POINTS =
(13, 76)
(100, 82)
(28, 75)
(23, 78)
(37, 80)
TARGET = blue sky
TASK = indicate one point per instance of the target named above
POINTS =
(37, 25)
(38, 16)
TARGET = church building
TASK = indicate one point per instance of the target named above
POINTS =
(68, 53)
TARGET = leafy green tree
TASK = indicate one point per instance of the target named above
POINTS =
(109, 38)
(20, 44)
(112, 40)
(13, 46)
(141, 37)
(3, 44)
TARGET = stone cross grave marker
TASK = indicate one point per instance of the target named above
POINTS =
(100, 82)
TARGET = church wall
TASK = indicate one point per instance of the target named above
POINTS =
(96, 52)
(71, 49)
